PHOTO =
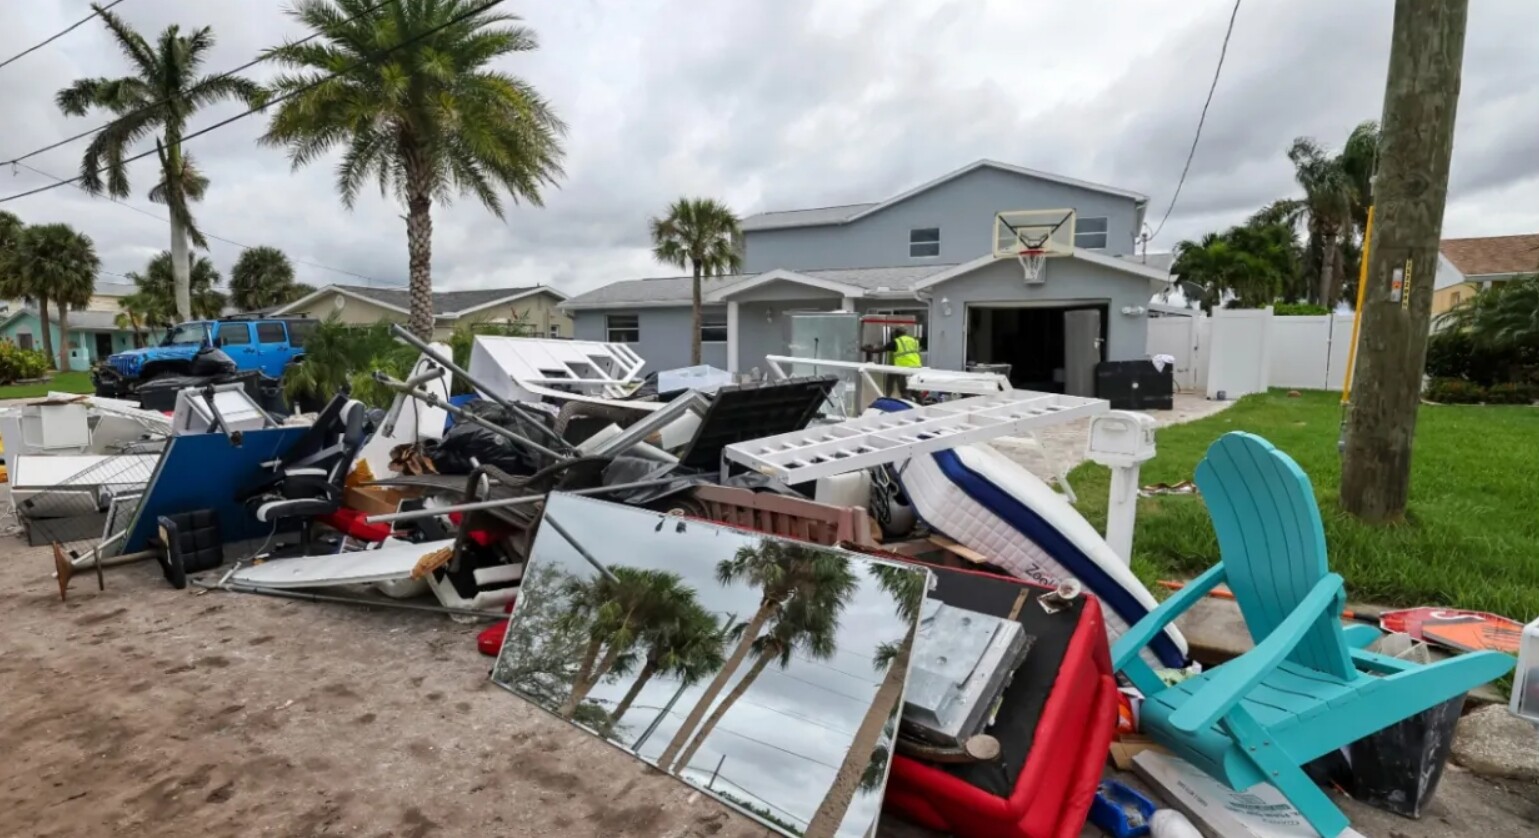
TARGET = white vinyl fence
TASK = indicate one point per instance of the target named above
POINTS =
(1240, 351)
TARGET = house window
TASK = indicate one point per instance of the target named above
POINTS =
(623, 328)
(270, 333)
(1453, 299)
(923, 242)
(555, 330)
(24, 340)
(713, 328)
(1090, 233)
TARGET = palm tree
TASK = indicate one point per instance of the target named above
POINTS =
(906, 586)
(159, 99)
(1329, 196)
(1359, 160)
(155, 298)
(1504, 316)
(809, 623)
(616, 611)
(784, 572)
(58, 264)
(424, 115)
(263, 278)
(703, 236)
(11, 230)
(130, 316)
(685, 645)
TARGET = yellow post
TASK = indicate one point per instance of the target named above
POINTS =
(1357, 312)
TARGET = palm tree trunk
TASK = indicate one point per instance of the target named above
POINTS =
(766, 610)
(647, 671)
(580, 685)
(611, 655)
(181, 255)
(42, 316)
(1327, 269)
(419, 247)
(825, 823)
(694, 328)
(63, 338)
(721, 709)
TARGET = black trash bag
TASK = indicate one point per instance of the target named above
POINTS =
(466, 441)
(211, 361)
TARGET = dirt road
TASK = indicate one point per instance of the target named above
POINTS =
(149, 711)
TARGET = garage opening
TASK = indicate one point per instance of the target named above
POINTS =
(1052, 349)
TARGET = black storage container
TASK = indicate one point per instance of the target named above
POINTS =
(1135, 385)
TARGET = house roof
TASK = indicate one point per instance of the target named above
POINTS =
(446, 304)
(85, 321)
(1157, 261)
(1493, 255)
(1160, 278)
(676, 290)
(851, 212)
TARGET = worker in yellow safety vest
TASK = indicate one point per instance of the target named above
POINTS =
(904, 350)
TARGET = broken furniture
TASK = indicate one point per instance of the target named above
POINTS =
(532, 369)
(785, 515)
(1054, 723)
(217, 408)
(307, 481)
(965, 658)
(393, 560)
(189, 542)
(1302, 691)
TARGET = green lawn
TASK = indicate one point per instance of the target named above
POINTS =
(64, 382)
(1471, 538)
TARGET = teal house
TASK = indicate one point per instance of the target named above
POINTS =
(93, 335)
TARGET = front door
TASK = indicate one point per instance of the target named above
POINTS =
(103, 345)
(1081, 350)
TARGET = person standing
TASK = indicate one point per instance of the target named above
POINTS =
(904, 349)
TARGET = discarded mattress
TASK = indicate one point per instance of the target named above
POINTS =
(392, 561)
(984, 500)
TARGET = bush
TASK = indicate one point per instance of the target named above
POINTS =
(1298, 309)
(17, 364)
(1511, 392)
(1454, 391)
(1457, 353)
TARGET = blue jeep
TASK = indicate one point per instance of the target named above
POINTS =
(267, 344)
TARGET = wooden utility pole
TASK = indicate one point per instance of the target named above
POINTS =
(1421, 99)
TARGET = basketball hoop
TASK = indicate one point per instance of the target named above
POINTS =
(1032, 260)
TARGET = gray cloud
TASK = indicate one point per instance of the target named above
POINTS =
(777, 105)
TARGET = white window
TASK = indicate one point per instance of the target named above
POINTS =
(623, 328)
(713, 328)
(924, 242)
(1090, 233)
(555, 330)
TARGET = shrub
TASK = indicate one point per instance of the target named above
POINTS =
(1458, 353)
(1511, 392)
(1298, 309)
(17, 363)
(1454, 391)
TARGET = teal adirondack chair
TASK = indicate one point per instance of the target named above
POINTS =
(1304, 689)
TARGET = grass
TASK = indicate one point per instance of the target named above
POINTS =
(1471, 534)
(62, 382)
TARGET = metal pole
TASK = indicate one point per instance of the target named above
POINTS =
(714, 774)
(462, 415)
(236, 587)
(581, 550)
(448, 364)
(475, 506)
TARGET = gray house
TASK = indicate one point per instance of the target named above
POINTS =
(929, 253)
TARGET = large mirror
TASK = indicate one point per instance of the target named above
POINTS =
(767, 672)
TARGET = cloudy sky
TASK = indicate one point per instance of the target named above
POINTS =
(772, 105)
(784, 740)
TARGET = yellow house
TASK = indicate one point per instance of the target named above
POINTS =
(534, 306)
(1470, 265)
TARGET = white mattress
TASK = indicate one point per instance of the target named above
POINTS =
(947, 507)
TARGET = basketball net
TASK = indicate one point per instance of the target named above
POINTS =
(1032, 261)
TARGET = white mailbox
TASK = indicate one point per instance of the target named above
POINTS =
(1525, 682)
(1121, 438)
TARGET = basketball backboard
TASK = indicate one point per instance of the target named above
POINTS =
(1050, 231)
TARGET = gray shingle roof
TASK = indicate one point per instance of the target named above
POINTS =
(675, 290)
(1157, 261)
(802, 217)
(444, 302)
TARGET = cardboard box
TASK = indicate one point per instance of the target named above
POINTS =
(377, 500)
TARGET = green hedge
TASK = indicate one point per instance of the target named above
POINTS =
(17, 364)
(1461, 391)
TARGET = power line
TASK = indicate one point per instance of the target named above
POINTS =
(208, 235)
(221, 77)
(786, 674)
(57, 35)
(1223, 51)
(306, 88)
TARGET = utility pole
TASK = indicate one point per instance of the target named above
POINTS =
(1421, 99)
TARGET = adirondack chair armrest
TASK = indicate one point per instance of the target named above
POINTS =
(1232, 681)
(1129, 645)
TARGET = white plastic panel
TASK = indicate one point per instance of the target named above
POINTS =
(394, 560)
(525, 369)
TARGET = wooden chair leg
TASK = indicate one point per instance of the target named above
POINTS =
(1284, 772)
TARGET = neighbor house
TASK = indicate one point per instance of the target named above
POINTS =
(1468, 266)
(94, 332)
(928, 253)
(534, 306)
